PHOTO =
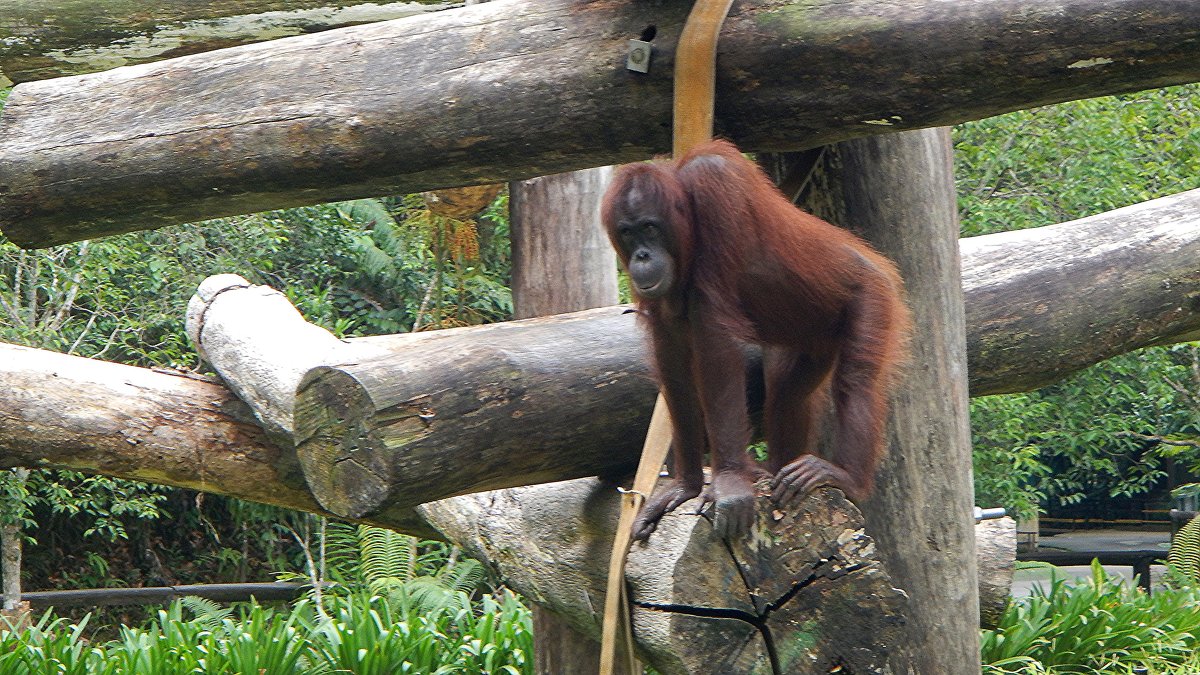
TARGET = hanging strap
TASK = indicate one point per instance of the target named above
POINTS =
(617, 634)
(695, 88)
(696, 74)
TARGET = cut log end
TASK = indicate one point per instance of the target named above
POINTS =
(803, 593)
(336, 449)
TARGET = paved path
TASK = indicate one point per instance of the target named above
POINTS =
(1092, 540)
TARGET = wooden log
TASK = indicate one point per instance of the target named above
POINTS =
(996, 553)
(520, 88)
(475, 409)
(41, 40)
(805, 590)
(1123, 279)
(898, 191)
(272, 352)
(59, 411)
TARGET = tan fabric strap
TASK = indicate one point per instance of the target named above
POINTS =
(695, 88)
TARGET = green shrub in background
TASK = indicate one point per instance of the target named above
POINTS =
(1100, 625)
(359, 633)
(1092, 435)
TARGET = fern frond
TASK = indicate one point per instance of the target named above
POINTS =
(1185, 550)
(341, 551)
(386, 554)
(207, 612)
(369, 212)
(429, 594)
(465, 576)
(371, 259)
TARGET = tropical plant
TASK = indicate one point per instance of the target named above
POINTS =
(1101, 625)
(1109, 430)
(362, 634)
(1184, 556)
(409, 573)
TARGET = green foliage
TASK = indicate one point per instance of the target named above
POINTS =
(15, 498)
(1008, 468)
(1096, 434)
(362, 634)
(408, 573)
(105, 502)
(1184, 556)
(1099, 626)
(1057, 163)
(51, 646)
(354, 268)
(1106, 431)
(1185, 550)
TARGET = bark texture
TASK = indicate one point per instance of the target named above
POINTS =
(41, 40)
(512, 89)
(476, 409)
(561, 258)
(803, 593)
(899, 194)
(12, 548)
(1045, 302)
(996, 546)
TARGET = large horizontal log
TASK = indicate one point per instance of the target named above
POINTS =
(437, 414)
(520, 88)
(1045, 302)
(41, 40)
(804, 588)
(59, 411)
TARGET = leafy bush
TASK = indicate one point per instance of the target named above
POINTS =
(1099, 626)
(362, 634)
(1107, 431)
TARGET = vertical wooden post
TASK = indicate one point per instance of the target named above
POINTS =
(561, 258)
(898, 192)
(14, 611)
(562, 262)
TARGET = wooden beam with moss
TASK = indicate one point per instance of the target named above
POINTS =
(515, 89)
(56, 38)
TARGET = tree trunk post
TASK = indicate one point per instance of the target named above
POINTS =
(15, 611)
(898, 191)
(561, 258)
(561, 262)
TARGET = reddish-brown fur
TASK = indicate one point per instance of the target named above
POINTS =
(746, 265)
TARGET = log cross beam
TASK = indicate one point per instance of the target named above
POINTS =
(515, 89)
